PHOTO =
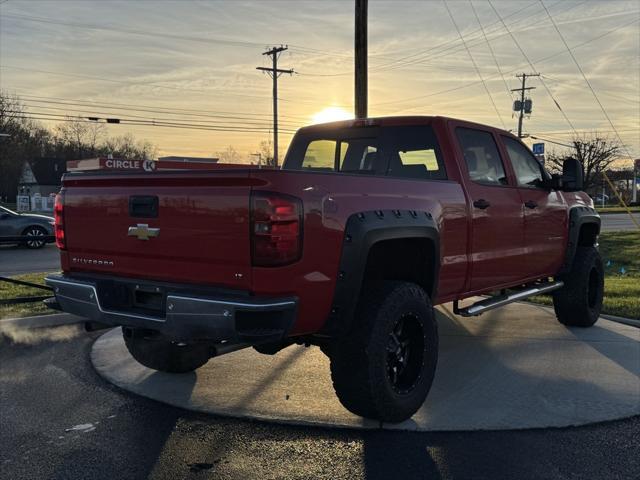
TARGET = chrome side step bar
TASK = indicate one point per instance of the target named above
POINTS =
(505, 298)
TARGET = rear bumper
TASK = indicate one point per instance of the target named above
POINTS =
(183, 316)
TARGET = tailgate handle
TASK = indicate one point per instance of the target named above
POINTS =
(143, 206)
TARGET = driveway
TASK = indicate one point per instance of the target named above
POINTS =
(17, 260)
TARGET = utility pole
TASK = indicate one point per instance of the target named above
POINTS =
(361, 59)
(523, 105)
(274, 73)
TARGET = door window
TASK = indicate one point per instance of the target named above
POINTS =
(527, 169)
(481, 156)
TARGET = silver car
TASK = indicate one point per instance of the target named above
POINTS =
(14, 224)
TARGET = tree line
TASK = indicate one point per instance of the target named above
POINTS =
(23, 139)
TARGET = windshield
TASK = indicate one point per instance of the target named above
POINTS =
(403, 151)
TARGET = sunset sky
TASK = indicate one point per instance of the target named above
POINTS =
(193, 62)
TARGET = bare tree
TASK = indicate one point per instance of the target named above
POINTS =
(229, 155)
(82, 138)
(126, 146)
(596, 152)
(266, 152)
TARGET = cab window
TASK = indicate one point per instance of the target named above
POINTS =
(481, 156)
(320, 154)
(528, 170)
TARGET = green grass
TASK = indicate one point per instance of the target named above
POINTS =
(616, 209)
(10, 290)
(621, 290)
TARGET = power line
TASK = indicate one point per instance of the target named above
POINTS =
(147, 108)
(604, 111)
(477, 82)
(259, 123)
(504, 80)
(531, 64)
(98, 110)
(608, 94)
(135, 122)
(484, 84)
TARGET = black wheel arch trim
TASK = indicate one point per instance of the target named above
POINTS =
(579, 216)
(363, 230)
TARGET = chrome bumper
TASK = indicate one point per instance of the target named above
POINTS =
(227, 318)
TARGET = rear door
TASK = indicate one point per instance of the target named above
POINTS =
(545, 211)
(497, 245)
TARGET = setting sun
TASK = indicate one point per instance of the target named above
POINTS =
(331, 114)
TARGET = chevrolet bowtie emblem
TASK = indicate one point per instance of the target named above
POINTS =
(143, 232)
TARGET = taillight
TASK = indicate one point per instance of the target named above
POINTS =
(58, 215)
(276, 229)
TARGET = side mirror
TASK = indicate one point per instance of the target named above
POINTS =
(572, 175)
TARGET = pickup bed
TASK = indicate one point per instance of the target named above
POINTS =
(367, 226)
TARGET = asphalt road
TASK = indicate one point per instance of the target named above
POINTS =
(619, 221)
(15, 260)
(59, 420)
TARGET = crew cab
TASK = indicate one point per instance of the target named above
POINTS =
(368, 224)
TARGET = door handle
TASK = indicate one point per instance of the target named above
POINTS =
(530, 204)
(481, 204)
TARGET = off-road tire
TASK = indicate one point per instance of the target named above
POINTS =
(579, 302)
(159, 353)
(360, 360)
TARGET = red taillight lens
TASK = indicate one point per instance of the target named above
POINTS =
(276, 229)
(58, 215)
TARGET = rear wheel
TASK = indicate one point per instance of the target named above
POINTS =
(159, 353)
(579, 302)
(35, 232)
(384, 368)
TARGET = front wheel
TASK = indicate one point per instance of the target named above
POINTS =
(383, 369)
(159, 353)
(579, 302)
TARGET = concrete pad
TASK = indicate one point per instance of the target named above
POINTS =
(511, 368)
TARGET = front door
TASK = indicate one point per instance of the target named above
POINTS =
(545, 212)
(497, 245)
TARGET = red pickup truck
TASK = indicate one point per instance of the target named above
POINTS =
(367, 226)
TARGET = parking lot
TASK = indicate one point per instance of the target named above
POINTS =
(61, 420)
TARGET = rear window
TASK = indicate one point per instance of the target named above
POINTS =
(405, 151)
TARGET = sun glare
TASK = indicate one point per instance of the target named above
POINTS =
(331, 114)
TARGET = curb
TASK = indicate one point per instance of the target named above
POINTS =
(613, 318)
(41, 321)
(627, 321)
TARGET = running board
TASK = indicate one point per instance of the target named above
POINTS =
(504, 299)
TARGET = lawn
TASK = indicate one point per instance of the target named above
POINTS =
(10, 290)
(621, 256)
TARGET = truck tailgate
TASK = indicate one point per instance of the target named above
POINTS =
(202, 223)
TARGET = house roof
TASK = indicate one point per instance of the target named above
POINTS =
(48, 171)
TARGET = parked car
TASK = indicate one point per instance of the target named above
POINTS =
(37, 228)
(368, 225)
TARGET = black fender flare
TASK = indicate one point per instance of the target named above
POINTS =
(362, 231)
(578, 217)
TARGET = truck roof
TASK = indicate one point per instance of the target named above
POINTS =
(392, 121)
